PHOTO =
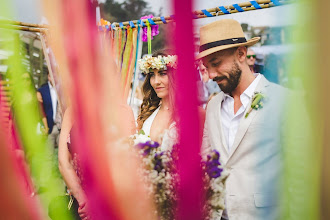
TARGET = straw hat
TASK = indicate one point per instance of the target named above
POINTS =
(221, 35)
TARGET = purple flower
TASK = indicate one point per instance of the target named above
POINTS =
(158, 167)
(159, 155)
(154, 29)
(212, 164)
(215, 155)
(152, 144)
(214, 172)
(147, 147)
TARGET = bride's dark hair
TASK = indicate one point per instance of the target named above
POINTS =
(150, 100)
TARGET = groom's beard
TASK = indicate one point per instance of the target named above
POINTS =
(232, 81)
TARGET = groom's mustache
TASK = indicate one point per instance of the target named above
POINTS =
(219, 78)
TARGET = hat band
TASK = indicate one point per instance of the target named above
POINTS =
(221, 43)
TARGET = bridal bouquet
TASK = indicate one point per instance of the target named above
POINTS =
(214, 179)
(161, 178)
(159, 175)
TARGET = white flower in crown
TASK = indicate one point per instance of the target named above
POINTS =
(171, 61)
(160, 62)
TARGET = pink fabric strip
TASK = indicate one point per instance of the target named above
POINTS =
(186, 104)
(16, 186)
(81, 43)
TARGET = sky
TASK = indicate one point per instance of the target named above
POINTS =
(27, 10)
(30, 11)
(277, 16)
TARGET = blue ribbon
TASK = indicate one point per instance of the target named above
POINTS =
(100, 28)
(208, 14)
(224, 10)
(151, 21)
(113, 26)
(256, 5)
(131, 24)
(163, 19)
(141, 22)
(276, 2)
(121, 25)
(238, 8)
(107, 27)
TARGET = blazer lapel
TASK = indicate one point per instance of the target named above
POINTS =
(222, 143)
(245, 122)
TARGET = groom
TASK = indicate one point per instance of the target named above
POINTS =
(248, 139)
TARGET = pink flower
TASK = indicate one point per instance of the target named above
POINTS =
(154, 29)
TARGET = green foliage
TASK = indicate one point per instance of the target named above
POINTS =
(114, 11)
(245, 27)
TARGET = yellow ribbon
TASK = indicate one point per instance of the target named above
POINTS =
(149, 36)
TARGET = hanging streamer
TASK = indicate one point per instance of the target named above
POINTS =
(189, 169)
(137, 55)
(119, 42)
(126, 59)
(121, 47)
(149, 37)
(112, 42)
(131, 64)
(89, 84)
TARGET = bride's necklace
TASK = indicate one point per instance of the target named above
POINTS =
(167, 108)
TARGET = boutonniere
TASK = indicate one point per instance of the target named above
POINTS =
(257, 102)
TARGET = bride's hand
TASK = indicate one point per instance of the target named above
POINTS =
(83, 211)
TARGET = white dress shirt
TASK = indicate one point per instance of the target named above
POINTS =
(229, 120)
(53, 96)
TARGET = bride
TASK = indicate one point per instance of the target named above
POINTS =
(158, 118)
(157, 113)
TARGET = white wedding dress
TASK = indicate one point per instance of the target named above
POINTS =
(170, 135)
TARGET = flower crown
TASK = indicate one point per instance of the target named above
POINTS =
(160, 62)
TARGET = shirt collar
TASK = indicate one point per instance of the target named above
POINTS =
(247, 95)
(50, 85)
(249, 91)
